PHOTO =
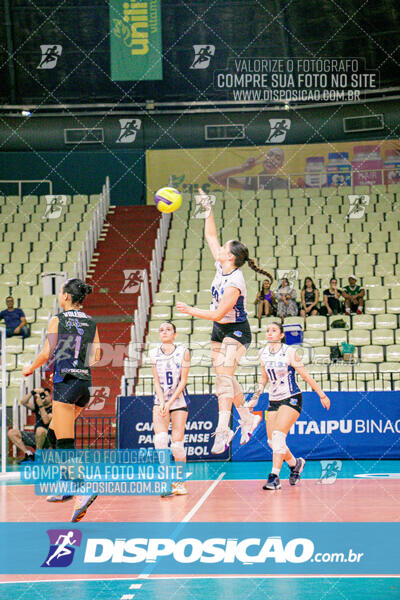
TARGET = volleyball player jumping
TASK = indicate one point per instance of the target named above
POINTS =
(73, 342)
(170, 364)
(278, 365)
(231, 335)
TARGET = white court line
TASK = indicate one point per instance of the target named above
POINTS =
(204, 497)
(165, 577)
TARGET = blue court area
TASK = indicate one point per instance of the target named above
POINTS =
(332, 588)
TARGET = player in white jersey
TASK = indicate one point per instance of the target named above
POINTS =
(279, 362)
(170, 364)
(231, 335)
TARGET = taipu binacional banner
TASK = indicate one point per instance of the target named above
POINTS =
(358, 425)
(274, 167)
(135, 425)
(201, 548)
(135, 38)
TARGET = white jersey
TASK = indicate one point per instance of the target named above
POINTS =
(220, 283)
(280, 373)
(169, 367)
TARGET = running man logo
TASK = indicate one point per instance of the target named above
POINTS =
(330, 469)
(98, 397)
(291, 275)
(278, 130)
(357, 206)
(54, 207)
(63, 543)
(129, 129)
(203, 206)
(50, 55)
(133, 279)
(202, 56)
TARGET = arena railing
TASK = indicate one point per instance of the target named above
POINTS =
(138, 329)
(81, 267)
(204, 384)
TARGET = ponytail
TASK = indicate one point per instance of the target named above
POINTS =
(241, 254)
(78, 290)
(254, 267)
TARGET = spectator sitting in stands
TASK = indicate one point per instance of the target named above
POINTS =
(39, 401)
(332, 304)
(15, 320)
(265, 300)
(286, 296)
(309, 298)
(354, 296)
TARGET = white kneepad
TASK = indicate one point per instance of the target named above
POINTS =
(160, 441)
(178, 450)
(279, 442)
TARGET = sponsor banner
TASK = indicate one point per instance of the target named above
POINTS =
(277, 165)
(358, 425)
(136, 48)
(135, 425)
(201, 548)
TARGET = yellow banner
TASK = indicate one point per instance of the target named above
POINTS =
(274, 167)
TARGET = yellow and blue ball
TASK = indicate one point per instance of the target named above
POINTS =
(168, 199)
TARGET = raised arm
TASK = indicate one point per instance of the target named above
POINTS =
(221, 177)
(210, 230)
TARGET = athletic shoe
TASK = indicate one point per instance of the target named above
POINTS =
(222, 441)
(248, 428)
(58, 498)
(179, 489)
(359, 311)
(29, 456)
(296, 471)
(82, 503)
(273, 482)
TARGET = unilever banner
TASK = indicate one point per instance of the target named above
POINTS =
(358, 425)
(135, 425)
(136, 47)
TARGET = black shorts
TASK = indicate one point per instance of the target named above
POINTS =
(72, 391)
(29, 438)
(183, 408)
(295, 401)
(238, 331)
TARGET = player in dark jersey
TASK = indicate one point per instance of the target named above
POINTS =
(73, 346)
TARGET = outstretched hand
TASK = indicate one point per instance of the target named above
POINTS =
(183, 308)
(204, 199)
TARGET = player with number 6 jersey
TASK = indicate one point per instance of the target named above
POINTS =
(170, 364)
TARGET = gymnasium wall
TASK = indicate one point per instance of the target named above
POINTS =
(77, 173)
(123, 138)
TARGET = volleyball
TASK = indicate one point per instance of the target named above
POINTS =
(168, 199)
